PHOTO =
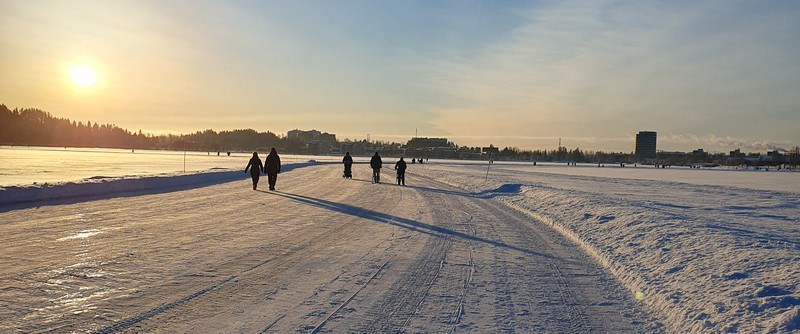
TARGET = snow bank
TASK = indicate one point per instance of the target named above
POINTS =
(704, 258)
(103, 186)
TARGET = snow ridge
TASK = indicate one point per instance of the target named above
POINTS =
(99, 185)
(712, 261)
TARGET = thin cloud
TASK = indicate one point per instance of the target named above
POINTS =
(603, 69)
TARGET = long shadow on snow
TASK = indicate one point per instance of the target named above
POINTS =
(415, 226)
(504, 190)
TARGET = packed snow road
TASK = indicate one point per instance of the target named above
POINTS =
(320, 254)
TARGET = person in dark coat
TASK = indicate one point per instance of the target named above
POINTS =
(400, 166)
(272, 166)
(255, 167)
(376, 163)
(348, 165)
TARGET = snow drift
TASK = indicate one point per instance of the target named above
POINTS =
(110, 186)
(704, 258)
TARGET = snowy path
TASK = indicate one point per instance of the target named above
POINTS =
(704, 257)
(321, 254)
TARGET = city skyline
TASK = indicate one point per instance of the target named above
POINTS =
(717, 75)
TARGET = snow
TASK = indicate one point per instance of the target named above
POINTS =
(24, 166)
(116, 186)
(783, 180)
(548, 248)
(320, 254)
(717, 253)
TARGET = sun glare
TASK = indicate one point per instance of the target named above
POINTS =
(83, 75)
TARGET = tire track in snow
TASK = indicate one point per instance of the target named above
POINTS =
(365, 258)
(266, 269)
(400, 303)
(313, 242)
(408, 296)
(570, 272)
(328, 318)
(568, 303)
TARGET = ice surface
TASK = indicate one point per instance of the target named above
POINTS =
(703, 250)
(15, 197)
(24, 166)
(320, 253)
(710, 250)
(81, 235)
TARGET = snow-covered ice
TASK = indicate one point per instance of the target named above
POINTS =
(321, 254)
(531, 249)
(23, 166)
(707, 250)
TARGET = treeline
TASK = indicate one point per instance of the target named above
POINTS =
(565, 155)
(774, 158)
(36, 127)
(39, 128)
(31, 126)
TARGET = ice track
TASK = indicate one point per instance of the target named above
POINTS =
(321, 254)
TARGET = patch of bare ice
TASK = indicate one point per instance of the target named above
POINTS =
(81, 235)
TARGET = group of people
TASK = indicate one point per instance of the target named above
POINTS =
(376, 163)
(271, 167)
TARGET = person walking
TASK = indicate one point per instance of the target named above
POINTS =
(348, 165)
(272, 166)
(376, 163)
(400, 167)
(256, 168)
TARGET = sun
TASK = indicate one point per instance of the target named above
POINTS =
(83, 75)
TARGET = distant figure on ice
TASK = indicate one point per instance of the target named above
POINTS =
(272, 166)
(400, 166)
(376, 163)
(256, 169)
(348, 166)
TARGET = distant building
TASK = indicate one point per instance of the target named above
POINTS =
(699, 151)
(429, 147)
(646, 145)
(737, 153)
(294, 134)
(311, 136)
(327, 137)
(423, 142)
(314, 141)
(490, 150)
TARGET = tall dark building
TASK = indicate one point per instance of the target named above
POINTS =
(646, 145)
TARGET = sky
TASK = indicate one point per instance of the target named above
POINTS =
(717, 75)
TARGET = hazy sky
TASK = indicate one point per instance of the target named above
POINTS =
(717, 75)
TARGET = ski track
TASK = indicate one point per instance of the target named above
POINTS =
(321, 254)
(700, 257)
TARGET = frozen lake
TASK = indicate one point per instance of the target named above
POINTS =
(784, 180)
(598, 249)
(21, 165)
